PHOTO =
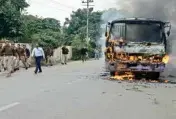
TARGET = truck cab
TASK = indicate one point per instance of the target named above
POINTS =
(137, 45)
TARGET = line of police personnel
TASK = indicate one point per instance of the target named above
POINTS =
(10, 57)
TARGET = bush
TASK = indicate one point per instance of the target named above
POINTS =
(76, 55)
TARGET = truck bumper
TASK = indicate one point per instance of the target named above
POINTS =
(149, 69)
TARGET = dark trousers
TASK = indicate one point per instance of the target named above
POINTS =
(38, 64)
(83, 57)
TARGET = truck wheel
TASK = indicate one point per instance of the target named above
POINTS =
(153, 75)
(112, 68)
(112, 73)
(138, 76)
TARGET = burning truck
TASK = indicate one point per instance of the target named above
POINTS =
(136, 48)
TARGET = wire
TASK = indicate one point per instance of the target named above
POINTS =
(63, 4)
(57, 9)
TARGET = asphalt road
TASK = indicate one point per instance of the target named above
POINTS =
(77, 91)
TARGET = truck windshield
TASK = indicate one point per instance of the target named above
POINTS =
(138, 32)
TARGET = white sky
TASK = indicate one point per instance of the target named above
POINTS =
(60, 9)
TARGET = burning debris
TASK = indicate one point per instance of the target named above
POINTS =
(124, 76)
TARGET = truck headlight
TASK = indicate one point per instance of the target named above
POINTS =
(165, 59)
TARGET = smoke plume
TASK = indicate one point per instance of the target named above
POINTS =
(164, 10)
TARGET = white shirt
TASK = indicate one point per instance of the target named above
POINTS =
(36, 52)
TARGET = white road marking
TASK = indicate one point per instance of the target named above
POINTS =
(8, 106)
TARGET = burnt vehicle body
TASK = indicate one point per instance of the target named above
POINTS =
(137, 45)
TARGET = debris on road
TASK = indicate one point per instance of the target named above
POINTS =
(155, 101)
(103, 92)
(130, 79)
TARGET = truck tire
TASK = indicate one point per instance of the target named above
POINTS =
(112, 69)
(112, 73)
(153, 75)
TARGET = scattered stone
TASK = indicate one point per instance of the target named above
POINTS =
(171, 76)
(155, 102)
(46, 91)
(120, 94)
(150, 94)
(172, 82)
(136, 89)
(103, 92)
(104, 74)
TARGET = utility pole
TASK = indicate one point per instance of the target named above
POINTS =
(88, 5)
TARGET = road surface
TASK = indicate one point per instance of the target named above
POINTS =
(77, 91)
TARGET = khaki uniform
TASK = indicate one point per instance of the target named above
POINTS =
(65, 52)
(8, 59)
(50, 57)
(15, 56)
(21, 57)
(1, 59)
(28, 61)
(64, 58)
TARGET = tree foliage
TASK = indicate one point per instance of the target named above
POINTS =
(10, 17)
(76, 29)
(46, 31)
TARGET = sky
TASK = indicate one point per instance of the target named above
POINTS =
(60, 9)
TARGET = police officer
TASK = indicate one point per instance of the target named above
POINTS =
(27, 54)
(65, 52)
(50, 55)
(8, 59)
(1, 58)
(83, 52)
(15, 56)
(21, 56)
(46, 52)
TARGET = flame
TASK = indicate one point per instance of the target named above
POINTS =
(132, 58)
(140, 57)
(126, 76)
(165, 59)
(114, 54)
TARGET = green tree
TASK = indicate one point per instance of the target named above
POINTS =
(75, 29)
(10, 17)
(46, 31)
